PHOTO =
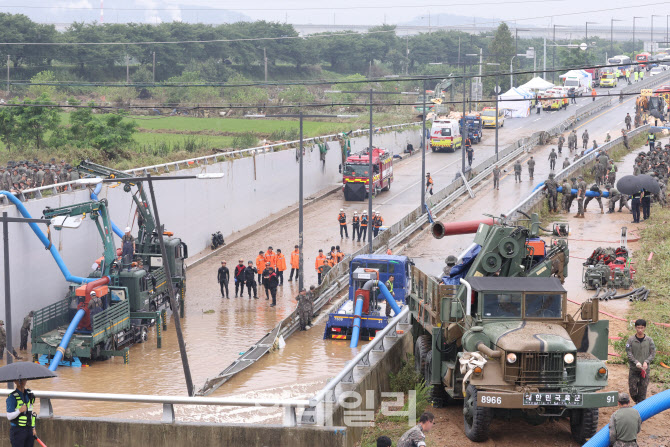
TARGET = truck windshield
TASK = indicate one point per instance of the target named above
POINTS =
(544, 305)
(351, 170)
(502, 305)
(572, 83)
(489, 113)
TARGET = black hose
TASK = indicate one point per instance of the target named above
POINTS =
(633, 292)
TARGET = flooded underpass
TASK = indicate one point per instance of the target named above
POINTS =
(217, 331)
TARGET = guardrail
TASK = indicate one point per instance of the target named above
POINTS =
(168, 402)
(346, 375)
(163, 168)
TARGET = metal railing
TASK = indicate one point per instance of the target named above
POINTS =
(189, 163)
(168, 402)
(362, 360)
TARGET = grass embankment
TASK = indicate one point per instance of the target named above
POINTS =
(653, 275)
(394, 426)
(161, 139)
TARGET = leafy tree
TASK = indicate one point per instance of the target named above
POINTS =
(8, 125)
(38, 90)
(35, 119)
(296, 94)
(110, 134)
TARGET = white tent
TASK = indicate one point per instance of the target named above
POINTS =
(537, 83)
(515, 102)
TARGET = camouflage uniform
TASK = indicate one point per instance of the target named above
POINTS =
(531, 168)
(639, 351)
(517, 171)
(567, 195)
(304, 310)
(552, 159)
(595, 189)
(552, 193)
(496, 177)
(581, 194)
(3, 339)
(413, 437)
(25, 330)
(625, 424)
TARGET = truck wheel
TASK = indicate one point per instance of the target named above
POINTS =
(143, 334)
(476, 419)
(421, 349)
(438, 396)
(583, 424)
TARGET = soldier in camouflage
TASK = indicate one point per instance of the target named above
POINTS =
(552, 193)
(304, 313)
(596, 190)
(415, 437)
(641, 351)
(625, 424)
(3, 342)
(567, 194)
(581, 194)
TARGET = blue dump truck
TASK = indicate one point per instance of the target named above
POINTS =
(367, 278)
(473, 124)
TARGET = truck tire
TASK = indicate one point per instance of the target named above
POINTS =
(422, 347)
(476, 419)
(583, 424)
(438, 396)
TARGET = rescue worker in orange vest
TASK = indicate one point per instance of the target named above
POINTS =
(260, 266)
(281, 266)
(429, 184)
(271, 257)
(593, 94)
(332, 260)
(320, 261)
(333, 252)
(342, 219)
(295, 263)
(338, 254)
(355, 226)
(364, 226)
(389, 252)
(377, 222)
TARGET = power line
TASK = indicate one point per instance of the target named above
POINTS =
(435, 77)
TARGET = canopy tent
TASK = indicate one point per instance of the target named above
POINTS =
(538, 84)
(515, 102)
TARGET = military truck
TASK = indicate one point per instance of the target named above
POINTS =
(494, 333)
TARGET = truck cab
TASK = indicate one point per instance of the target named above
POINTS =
(473, 124)
(356, 174)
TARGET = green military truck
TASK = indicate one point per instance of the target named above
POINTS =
(495, 334)
(134, 298)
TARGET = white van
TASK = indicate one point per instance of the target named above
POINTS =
(445, 134)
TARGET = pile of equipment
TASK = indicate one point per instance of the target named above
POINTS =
(608, 267)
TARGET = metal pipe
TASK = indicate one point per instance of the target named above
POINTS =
(468, 297)
(301, 234)
(423, 152)
(370, 151)
(440, 229)
(170, 286)
(8, 299)
(481, 347)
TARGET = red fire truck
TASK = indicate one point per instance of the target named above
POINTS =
(356, 172)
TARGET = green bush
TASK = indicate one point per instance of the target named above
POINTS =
(245, 140)
(407, 378)
(285, 134)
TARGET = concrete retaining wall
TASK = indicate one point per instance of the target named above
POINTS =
(98, 432)
(252, 189)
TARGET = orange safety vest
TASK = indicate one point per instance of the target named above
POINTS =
(281, 262)
(332, 261)
(320, 260)
(295, 259)
(379, 222)
(260, 263)
(342, 219)
(356, 220)
(271, 257)
(593, 92)
(340, 256)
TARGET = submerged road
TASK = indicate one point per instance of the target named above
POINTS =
(215, 339)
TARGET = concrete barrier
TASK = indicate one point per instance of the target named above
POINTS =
(100, 432)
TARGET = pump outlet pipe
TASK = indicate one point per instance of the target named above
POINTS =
(390, 301)
(94, 196)
(649, 407)
(45, 241)
(66, 340)
(439, 229)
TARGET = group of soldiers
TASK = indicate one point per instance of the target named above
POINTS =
(25, 332)
(22, 175)
(359, 224)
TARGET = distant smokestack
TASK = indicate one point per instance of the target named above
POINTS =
(102, 12)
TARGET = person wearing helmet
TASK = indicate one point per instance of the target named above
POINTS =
(127, 248)
(3, 342)
(552, 193)
(364, 226)
(342, 219)
(355, 226)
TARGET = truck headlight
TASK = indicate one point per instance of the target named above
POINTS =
(568, 358)
(511, 357)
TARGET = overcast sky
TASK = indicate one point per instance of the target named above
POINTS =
(521, 12)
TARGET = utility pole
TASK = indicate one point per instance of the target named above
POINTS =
(153, 69)
(636, 17)
(8, 74)
(544, 60)
(127, 69)
(265, 60)
(463, 128)
(370, 178)
(423, 151)
(301, 237)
